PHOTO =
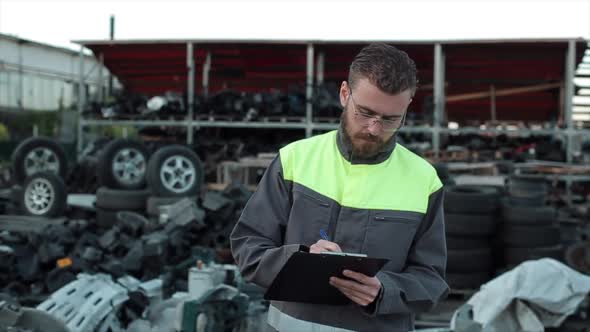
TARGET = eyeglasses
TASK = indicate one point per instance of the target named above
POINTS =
(388, 123)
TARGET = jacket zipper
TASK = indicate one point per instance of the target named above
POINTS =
(334, 214)
(381, 218)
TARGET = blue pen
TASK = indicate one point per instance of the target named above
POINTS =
(323, 234)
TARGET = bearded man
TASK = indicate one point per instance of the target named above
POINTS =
(365, 193)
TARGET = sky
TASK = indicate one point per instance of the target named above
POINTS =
(59, 22)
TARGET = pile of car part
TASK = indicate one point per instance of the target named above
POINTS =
(236, 105)
(505, 147)
(41, 254)
(148, 213)
(230, 104)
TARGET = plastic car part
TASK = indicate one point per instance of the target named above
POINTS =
(85, 302)
(28, 319)
(181, 213)
(220, 307)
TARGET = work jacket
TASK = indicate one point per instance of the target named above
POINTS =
(390, 206)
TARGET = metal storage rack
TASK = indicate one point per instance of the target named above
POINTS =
(307, 123)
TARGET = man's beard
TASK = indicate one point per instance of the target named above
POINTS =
(365, 145)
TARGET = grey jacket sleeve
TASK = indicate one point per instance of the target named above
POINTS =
(421, 285)
(257, 239)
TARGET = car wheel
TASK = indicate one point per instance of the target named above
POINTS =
(44, 194)
(38, 154)
(175, 171)
(122, 165)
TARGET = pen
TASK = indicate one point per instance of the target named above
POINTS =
(323, 234)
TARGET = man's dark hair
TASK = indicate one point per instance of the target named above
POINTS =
(388, 68)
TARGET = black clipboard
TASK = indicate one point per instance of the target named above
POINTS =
(306, 277)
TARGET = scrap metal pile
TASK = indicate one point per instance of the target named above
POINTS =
(39, 255)
(150, 220)
(128, 238)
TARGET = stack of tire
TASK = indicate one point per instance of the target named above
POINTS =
(470, 223)
(530, 230)
(131, 180)
(121, 171)
(39, 167)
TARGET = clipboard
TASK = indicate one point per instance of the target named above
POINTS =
(305, 277)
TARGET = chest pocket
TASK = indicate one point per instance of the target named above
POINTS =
(310, 213)
(390, 235)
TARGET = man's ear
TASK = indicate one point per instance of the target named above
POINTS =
(344, 90)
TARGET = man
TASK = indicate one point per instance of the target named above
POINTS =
(367, 193)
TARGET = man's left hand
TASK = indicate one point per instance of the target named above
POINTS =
(362, 289)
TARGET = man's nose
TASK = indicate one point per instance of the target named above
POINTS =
(374, 127)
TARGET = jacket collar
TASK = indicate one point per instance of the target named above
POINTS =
(345, 148)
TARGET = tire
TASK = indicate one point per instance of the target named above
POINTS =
(467, 280)
(38, 154)
(519, 255)
(530, 236)
(468, 261)
(526, 186)
(43, 195)
(471, 199)
(114, 199)
(535, 200)
(169, 159)
(527, 215)
(123, 165)
(469, 224)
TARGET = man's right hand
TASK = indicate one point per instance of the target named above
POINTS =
(324, 245)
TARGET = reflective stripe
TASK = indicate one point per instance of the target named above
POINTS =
(403, 182)
(285, 323)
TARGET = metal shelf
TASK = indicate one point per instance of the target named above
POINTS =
(496, 131)
(195, 124)
(250, 124)
(321, 126)
(146, 123)
(324, 126)
(516, 132)
(307, 123)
